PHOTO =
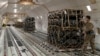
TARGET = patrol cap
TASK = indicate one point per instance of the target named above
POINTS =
(88, 17)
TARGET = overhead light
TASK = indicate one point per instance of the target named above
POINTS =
(88, 8)
(2, 3)
(31, 2)
(26, 2)
(15, 10)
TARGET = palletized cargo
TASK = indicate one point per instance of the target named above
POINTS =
(29, 24)
(65, 28)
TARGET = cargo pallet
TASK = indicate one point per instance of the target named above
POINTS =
(65, 29)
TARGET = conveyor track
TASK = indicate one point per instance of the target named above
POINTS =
(10, 47)
(14, 46)
(38, 40)
(21, 43)
(41, 44)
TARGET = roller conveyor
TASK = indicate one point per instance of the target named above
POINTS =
(46, 46)
(9, 40)
(23, 49)
(39, 45)
(20, 43)
(13, 46)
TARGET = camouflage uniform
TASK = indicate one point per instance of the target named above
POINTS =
(89, 37)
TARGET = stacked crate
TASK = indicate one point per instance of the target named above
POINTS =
(18, 24)
(65, 28)
(29, 24)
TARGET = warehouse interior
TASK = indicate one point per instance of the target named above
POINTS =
(47, 27)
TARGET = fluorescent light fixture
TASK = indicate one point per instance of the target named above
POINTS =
(88, 8)
(2, 3)
(26, 2)
(15, 10)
